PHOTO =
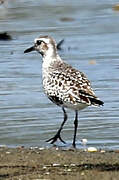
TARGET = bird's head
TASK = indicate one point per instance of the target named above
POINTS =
(45, 45)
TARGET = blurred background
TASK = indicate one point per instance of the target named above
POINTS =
(90, 30)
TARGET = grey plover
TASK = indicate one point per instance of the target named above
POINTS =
(64, 85)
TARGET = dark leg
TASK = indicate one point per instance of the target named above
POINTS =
(75, 128)
(57, 136)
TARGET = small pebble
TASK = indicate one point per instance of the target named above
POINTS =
(44, 167)
(32, 148)
(69, 170)
(8, 152)
(58, 155)
(82, 174)
(102, 151)
(92, 149)
(41, 148)
(55, 165)
(73, 165)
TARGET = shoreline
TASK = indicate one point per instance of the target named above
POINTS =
(54, 163)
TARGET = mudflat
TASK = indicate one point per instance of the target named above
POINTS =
(54, 164)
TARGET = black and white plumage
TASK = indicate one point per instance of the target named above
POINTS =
(63, 84)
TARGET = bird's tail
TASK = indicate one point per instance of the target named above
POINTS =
(95, 101)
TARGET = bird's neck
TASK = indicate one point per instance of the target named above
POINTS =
(48, 61)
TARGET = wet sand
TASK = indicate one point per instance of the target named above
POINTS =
(51, 164)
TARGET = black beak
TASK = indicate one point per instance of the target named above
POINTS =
(29, 49)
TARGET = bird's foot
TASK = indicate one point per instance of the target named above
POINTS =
(54, 139)
(74, 145)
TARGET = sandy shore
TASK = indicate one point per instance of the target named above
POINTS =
(54, 164)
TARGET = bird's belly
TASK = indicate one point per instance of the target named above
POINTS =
(78, 106)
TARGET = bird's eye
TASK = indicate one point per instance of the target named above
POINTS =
(39, 42)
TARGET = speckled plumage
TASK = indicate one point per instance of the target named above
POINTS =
(69, 85)
(63, 84)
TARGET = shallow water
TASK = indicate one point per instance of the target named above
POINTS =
(90, 30)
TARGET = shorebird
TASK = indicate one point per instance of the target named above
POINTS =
(64, 85)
